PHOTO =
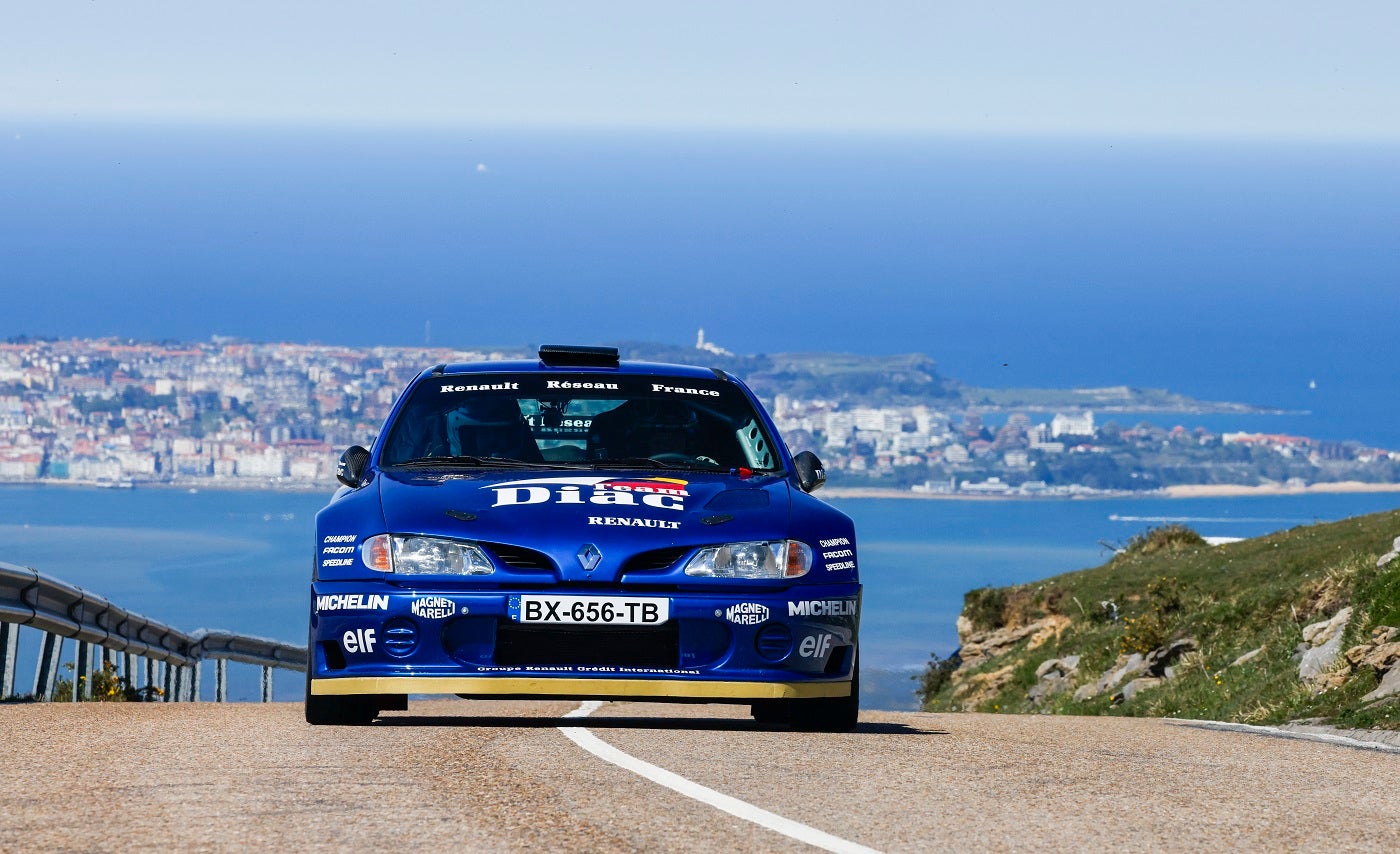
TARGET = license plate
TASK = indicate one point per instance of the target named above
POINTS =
(595, 610)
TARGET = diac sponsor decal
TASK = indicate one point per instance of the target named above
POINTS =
(661, 492)
(746, 613)
(433, 607)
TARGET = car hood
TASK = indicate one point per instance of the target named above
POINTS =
(620, 513)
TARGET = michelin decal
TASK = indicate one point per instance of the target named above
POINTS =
(352, 602)
(823, 608)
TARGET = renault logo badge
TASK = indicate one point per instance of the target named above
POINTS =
(589, 556)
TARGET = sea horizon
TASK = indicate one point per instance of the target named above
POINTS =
(1244, 270)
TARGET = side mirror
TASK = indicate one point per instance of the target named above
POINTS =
(810, 472)
(351, 468)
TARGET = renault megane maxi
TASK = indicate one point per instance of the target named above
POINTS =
(580, 527)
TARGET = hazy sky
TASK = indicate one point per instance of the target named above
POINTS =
(1256, 68)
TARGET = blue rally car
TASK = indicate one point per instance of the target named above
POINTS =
(579, 527)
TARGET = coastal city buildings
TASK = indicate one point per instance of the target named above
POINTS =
(228, 412)
(113, 412)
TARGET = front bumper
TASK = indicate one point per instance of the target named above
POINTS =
(380, 639)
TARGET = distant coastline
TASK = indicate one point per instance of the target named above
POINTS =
(208, 484)
(1225, 490)
(1214, 490)
(1218, 490)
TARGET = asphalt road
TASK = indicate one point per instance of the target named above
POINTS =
(502, 776)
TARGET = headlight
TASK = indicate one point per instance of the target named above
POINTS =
(775, 559)
(405, 555)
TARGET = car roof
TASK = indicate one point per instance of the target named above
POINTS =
(523, 366)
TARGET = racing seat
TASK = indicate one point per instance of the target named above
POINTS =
(491, 427)
(644, 428)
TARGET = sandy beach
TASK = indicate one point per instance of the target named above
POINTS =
(1219, 490)
(880, 492)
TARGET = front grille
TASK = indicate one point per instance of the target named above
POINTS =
(630, 646)
(655, 559)
(518, 557)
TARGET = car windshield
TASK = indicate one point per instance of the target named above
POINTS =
(583, 420)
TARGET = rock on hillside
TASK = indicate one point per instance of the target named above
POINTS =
(1301, 624)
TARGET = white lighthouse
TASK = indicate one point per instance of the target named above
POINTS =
(708, 346)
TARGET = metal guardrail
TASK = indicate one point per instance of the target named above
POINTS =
(105, 632)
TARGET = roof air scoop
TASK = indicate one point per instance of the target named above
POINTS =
(578, 356)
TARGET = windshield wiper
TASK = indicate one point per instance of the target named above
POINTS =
(652, 463)
(479, 462)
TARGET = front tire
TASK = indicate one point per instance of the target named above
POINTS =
(340, 711)
(828, 714)
(769, 711)
(324, 710)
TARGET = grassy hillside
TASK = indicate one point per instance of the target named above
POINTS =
(1193, 610)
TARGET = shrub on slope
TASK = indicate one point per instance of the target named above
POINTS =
(1210, 606)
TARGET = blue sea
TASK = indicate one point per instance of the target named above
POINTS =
(1266, 272)
(242, 560)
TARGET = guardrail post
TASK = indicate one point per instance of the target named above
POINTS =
(82, 669)
(152, 679)
(195, 669)
(129, 670)
(267, 684)
(221, 680)
(103, 658)
(174, 685)
(9, 651)
(46, 672)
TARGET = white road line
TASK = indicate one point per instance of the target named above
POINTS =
(1325, 738)
(676, 783)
